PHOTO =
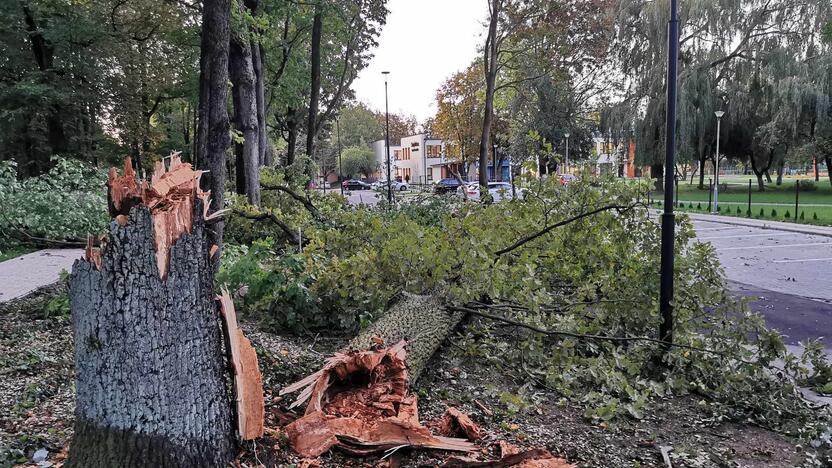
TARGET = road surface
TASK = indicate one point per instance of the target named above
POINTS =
(785, 275)
(22, 275)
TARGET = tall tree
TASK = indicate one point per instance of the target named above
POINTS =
(244, 97)
(459, 114)
(213, 137)
(315, 80)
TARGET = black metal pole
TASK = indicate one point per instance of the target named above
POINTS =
(796, 197)
(749, 198)
(494, 164)
(387, 140)
(668, 217)
(340, 165)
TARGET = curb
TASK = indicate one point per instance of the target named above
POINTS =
(773, 225)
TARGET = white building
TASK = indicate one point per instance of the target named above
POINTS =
(418, 159)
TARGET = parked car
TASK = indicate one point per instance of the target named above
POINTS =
(449, 185)
(396, 186)
(566, 179)
(499, 191)
(354, 184)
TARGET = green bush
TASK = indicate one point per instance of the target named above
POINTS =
(787, 215)
(719, 209)
(748, 213)
(815, 216)
(762, 213)
(739, 210)
(773, 213)
(808, 186)
(699, 206)
(68, 202)
(802, 215)
(690, 205)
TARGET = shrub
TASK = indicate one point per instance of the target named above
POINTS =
(699, 206)
(808, 186)
(773, 213)
(762, 213)
(815, 216)
(788, 215)
(802, 215)
(719, 209)
(748, 213)
(690, 205)
(739, 210)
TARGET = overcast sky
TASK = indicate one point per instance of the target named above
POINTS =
(423, 42)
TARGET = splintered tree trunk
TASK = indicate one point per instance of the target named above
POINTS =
(150, 375)
(422, 321)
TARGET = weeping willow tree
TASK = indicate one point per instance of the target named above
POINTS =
(724, 47)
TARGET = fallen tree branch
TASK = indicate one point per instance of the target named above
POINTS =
(291, 233)
(304, 201)
(580, 336)
(547, 229)
(46, 242)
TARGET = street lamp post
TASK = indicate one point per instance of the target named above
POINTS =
(718, 115)
(566, 168)
(387, 139)
(340, 164)
(668, 219)
(494, 163)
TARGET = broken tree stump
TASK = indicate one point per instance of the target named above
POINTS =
(150, 371)
(359, 402)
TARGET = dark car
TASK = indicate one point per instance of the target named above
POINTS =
(448, 185)
(354, 184)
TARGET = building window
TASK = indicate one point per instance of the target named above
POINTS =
(434, 151)
(405, 154)
(397, 154)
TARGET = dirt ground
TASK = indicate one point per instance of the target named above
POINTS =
(37, 404)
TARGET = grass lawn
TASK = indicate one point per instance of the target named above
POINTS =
(774, 202)
(774, 213)
(8, 253)
(738, 192)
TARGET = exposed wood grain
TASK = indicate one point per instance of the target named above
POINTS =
(248, 382)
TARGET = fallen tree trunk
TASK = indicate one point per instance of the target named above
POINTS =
(423, 321)
(150, 371)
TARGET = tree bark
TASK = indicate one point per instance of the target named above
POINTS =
(422, 321)
(292, 140)
(260, 95)
(315, 81)
(657, 171)
(150, 374)
(828, 160)
(245, 115)
(213, 138)
(490, 64)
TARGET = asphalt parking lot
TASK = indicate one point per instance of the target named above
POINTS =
(785, 262)
(784, 275)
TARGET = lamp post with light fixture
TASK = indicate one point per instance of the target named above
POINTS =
(567, 152)
(718, 115)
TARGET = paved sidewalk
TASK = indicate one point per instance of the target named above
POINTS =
(764, 224)
(22, 275)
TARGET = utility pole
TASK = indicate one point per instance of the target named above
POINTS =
(668, 219)
(340, 165)
(387, 138)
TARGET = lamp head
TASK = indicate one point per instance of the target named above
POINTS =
(719, 114)
(566, 134)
